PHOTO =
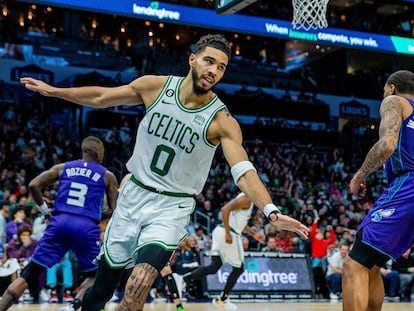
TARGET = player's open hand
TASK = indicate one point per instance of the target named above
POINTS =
(288, 223)
(37, 86)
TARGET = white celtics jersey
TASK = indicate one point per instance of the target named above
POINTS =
(171, 151)
(238, 219)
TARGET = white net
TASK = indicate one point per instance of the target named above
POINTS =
(309, 14)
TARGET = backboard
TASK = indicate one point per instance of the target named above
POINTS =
(226, 7)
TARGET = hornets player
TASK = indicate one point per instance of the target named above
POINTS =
(74, 225)
(386, 232)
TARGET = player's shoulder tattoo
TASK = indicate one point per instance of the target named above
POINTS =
(391, 103)
(226, 110)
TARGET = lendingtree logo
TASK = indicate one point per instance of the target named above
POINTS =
(154, 10)
(265, 278)
(252, 266)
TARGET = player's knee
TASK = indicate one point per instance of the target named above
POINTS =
(12, 292)
(346, 264)
(156, 255)
(347, 267)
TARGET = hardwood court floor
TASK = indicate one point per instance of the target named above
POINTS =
(259, 306)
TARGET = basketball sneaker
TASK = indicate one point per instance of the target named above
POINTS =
(44, 295)
(73, 306)
(67, 296)
(27, 296)
(53, 296)
(224, 304)
(333, 296)
(114, 297)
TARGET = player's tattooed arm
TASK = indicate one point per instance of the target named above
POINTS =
(391, 120)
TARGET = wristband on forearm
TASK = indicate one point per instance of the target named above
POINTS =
(271, 209)
(239, 169)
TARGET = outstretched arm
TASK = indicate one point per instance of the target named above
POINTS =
(92, 96)
(228, 132)
(144, 89)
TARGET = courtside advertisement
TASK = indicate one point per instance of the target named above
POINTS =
(267, 278)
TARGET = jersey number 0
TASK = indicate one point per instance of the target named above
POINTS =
(163, 155)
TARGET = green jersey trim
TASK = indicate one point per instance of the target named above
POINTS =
(160, 95)
(193, 110)
(208, 123)
(168, 193)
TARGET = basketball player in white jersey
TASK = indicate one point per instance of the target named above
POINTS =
(227, 246)
(184, 123)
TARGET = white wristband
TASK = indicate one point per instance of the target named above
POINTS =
(269, 209)
(44, 209)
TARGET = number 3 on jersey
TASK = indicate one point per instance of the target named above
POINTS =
(77, 194)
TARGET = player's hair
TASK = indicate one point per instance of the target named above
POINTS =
(92, 146)
(403, 81)
(216, 41)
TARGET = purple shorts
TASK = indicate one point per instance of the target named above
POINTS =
(69, 232)
(388, 227)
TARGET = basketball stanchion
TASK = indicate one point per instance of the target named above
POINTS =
(309, 14)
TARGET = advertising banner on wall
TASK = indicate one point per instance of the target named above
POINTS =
(204, 18)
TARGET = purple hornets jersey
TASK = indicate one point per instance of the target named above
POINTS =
(392, 214)
(402, 160)
(81, 189)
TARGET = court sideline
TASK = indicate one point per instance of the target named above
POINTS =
(259, 306)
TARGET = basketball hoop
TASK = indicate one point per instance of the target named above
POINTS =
(309, 14)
